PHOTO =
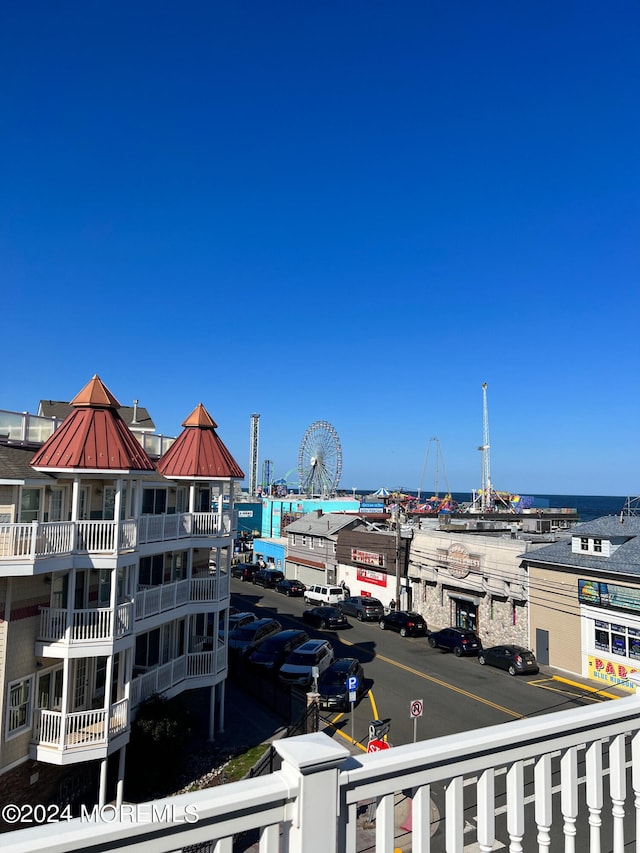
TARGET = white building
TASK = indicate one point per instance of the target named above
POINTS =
(114, 576)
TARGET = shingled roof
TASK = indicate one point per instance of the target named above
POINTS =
(198, 452)
(92, 437)
(136, 417)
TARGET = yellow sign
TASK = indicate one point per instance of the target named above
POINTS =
(611, 672)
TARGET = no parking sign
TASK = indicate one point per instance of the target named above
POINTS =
(416, 707)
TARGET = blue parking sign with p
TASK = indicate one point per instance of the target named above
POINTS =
(352, 682)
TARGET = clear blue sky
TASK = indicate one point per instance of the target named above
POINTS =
(346, 211)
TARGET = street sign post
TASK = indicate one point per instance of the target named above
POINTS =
(352, 687)
(416, 707)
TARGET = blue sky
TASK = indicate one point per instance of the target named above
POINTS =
(355, 212)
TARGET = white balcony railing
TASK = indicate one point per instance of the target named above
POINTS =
(204, 662)
(564, 781)
(81, 728)
(37, 540)
(88, 625)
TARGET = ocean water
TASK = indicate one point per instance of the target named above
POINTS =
(588, 507)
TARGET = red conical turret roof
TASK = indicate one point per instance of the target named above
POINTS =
(93, 437)
(199, 452)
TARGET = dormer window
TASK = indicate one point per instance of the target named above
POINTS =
(584, 544)
(597, 546)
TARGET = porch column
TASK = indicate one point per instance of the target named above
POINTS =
(75, 498)
(212, 714)
(102, 797)
(192, 497)
(75, 510)
(313, 761)
(120, 783)
(117, 505)
(222, 689)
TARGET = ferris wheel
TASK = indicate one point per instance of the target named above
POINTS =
(320, 460)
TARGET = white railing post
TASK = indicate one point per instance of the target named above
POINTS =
(313, 762)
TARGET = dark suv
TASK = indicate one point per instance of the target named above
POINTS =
(270, 654)
(363, 607)
(460, 641)
(267, 578)
(244, 571)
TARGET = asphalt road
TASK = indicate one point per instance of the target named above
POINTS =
(457, 693)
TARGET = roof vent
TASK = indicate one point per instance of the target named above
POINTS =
(135, 412)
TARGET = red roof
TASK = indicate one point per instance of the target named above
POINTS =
(93, 437)
(199, 452)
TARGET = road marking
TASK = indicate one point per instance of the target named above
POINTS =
(445, 684)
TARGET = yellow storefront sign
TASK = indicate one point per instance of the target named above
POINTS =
(611, 672)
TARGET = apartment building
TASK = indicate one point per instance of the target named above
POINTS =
(114, 582)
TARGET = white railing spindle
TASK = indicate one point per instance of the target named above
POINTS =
(617, 789)
(543, 806)
(454, 819)
(515, 806)
(569, 797)
(486, 811)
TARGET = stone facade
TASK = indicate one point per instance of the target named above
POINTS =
(471, 581)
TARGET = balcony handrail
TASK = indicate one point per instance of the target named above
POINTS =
(320, 785)
(38, 540)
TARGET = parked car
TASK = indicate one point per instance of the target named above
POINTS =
(364, 607)
(406, 622)
(460, 641)
(325, 617)
(332, 684)
(244, 639)
(244, 571)
(236, 620)
(298, 668)
(515, 659)
(290, 586)
(322, 593)
(270, 654)
(268, 578)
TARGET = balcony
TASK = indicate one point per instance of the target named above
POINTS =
(204, 590)
(74, 735)
(81, 627)
(202, 667)
(39, 540)
(564, 781)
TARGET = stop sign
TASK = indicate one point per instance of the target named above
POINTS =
(377, 745)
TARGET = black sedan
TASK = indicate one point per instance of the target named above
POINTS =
(325, 617)
(460, 641)
(290, 586)
(515, 659)
(406, 622)
(334, 683)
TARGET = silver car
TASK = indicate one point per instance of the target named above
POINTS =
(364, 607)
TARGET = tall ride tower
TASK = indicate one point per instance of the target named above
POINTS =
(253, 454)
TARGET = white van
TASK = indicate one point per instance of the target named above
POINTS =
(322, 593)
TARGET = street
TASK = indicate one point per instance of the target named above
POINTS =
(457, 693)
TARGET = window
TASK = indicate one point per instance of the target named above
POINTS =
(597, 546)
(182, 500)
(584, 544)
(311, 542)
(154, 501)
(151, 570)
(293, 538)
(50, 689)
(55, 505)
(19, 706)
(304, 541)
(30, 505)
